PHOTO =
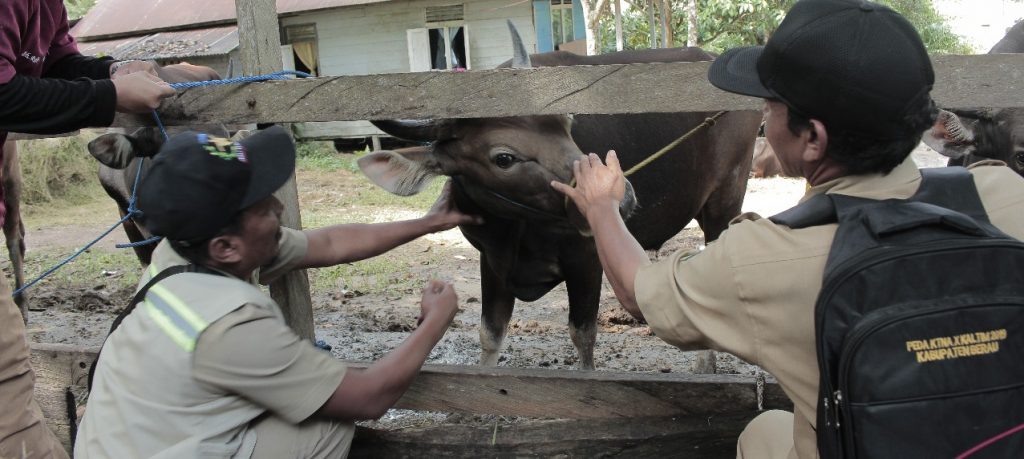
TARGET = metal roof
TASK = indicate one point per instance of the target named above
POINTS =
(118, 18)
(215, 41)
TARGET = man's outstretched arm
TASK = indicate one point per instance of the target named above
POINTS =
(599, 190)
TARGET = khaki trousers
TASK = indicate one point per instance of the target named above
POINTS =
(314, 438)
(769, 436)
(23, 433)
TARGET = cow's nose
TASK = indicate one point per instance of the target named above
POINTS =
(628, 204)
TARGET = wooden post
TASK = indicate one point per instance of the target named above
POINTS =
(260, 45)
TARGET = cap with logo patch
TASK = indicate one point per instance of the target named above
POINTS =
(198, 182)
(856, 66)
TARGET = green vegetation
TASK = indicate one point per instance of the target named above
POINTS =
(78, 8)
(96, 268)
(724, 24)
(58, 171)
(313, 155)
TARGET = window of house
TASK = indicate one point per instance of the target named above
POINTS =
(302, 38)
(443, 44)
(561, 22)
(448, 48)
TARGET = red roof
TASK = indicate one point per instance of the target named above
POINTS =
(119, 18)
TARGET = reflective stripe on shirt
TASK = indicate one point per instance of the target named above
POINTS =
(174, 317)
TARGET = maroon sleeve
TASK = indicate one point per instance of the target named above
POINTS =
(11, 13)
(63, 43)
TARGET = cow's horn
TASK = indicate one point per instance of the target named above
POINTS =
(419, 130)
(520, 58)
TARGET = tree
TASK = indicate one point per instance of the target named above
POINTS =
(717, 25)
(78, 8)
(592, 12)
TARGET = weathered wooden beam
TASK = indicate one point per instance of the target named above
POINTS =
(20, 136)
(58, 367)
(991, 80)
(571, 394)
(705, 407)
(691, 437)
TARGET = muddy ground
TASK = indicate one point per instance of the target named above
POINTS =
(364, 326)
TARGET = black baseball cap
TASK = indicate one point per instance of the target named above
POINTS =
(198, 182)
(857, 66)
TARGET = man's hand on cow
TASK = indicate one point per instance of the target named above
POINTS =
(140, 92)
(444, 215)
(597, 184)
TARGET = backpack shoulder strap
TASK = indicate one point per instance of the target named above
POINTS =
(819, 210)
(139, 296)
(952, 188)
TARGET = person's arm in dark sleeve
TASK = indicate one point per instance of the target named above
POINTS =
(50, 105)
(76, 65)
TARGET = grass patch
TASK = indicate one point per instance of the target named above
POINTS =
(58, 171)
(315, 155)
(94, 268)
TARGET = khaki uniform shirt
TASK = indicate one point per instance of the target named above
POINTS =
(245, 362)
(752, 292)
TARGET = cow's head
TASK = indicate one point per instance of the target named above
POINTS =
(505, 165)
(978, 134)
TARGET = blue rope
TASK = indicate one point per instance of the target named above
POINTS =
(282, 75)
(134, 211)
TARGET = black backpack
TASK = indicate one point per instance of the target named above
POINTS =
(919, 325)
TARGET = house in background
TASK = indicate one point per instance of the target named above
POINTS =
(333, 37)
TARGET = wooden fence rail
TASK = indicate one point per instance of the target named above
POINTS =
(613, 409)
(995, 81)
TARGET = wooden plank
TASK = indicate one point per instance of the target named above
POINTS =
(58, 367)
(572, 394)
(20, 136)
(330, 130)
(691, 437)
(260, 48)
(529, 392)
(991, 80)
(709, 410)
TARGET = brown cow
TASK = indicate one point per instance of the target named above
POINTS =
(530, 242)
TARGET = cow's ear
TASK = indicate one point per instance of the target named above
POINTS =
(951, 135)
(404, 172)
(114, 150)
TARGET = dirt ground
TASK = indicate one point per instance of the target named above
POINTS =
(364, 326)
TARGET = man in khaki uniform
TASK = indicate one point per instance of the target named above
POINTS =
(205, 366)
(839, 111)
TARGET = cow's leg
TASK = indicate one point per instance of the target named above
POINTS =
(497, 304)
(582, 270)
(14, 229)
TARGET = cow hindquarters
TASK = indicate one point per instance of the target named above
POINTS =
(497, 304)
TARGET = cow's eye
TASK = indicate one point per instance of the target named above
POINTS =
(504, 160)
(1019, 157)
